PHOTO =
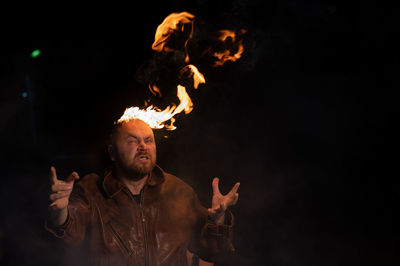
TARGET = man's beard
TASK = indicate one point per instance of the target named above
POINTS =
(134, 171)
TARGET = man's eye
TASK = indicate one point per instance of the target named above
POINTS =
(148, 140)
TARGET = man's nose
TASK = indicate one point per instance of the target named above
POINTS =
(142, 146)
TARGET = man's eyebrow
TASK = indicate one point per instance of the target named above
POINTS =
(136, 137)
(131, 136)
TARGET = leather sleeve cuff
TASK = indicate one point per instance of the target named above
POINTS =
(222, 233)
(58, 231)
(224, 229)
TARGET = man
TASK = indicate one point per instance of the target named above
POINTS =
(137, 214)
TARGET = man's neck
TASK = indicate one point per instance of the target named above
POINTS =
(134, 186)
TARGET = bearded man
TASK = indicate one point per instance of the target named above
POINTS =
(137, 214)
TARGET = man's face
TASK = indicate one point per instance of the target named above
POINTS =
(134, 149)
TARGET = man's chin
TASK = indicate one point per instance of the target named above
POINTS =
(145, 168)
(138, 171)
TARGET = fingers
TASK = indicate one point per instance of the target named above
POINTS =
(53, 175)
(61, 187)
(220, 208)
(72, 177)
(231, 199)
(214, 212)
(215, 186)
(217, 214)
(60, 190)
(54, 180)
(235, 198)
(59, 195)
(235, 188)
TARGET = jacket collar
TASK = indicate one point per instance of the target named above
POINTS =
(112, 185)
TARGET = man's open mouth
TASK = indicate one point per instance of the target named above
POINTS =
(143, 157)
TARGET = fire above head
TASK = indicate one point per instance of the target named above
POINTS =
(173, 24)
(157, 118)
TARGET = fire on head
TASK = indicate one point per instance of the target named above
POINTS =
(133, 149)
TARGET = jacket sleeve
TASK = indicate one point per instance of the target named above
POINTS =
(79, 213)
(209, 239)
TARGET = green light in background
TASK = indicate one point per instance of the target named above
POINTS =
(36, 53)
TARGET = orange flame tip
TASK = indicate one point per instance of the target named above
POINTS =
(198, 78)
(173, 22)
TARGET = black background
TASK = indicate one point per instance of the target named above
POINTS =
(304, 120)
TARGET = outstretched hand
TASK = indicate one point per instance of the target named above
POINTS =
(220, 203)
(60, 191)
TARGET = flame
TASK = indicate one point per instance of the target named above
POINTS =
(172, 23)
(175, 22)
(155, 90)
(156, 118)
(228, 55)
(198, 78)
(224, 34)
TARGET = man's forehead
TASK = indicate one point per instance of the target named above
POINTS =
(135, 126)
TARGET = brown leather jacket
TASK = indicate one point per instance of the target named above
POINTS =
(118, 231)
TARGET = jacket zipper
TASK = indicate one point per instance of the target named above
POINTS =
(120, 240)
(146, 251)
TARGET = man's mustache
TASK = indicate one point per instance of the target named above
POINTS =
(140, 154)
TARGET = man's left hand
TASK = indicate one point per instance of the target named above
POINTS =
(221, 202)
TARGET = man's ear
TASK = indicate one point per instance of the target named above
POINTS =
(111, 152)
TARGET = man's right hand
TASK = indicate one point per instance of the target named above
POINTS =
(59, 196)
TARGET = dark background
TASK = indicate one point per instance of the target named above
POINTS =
(304, 120)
